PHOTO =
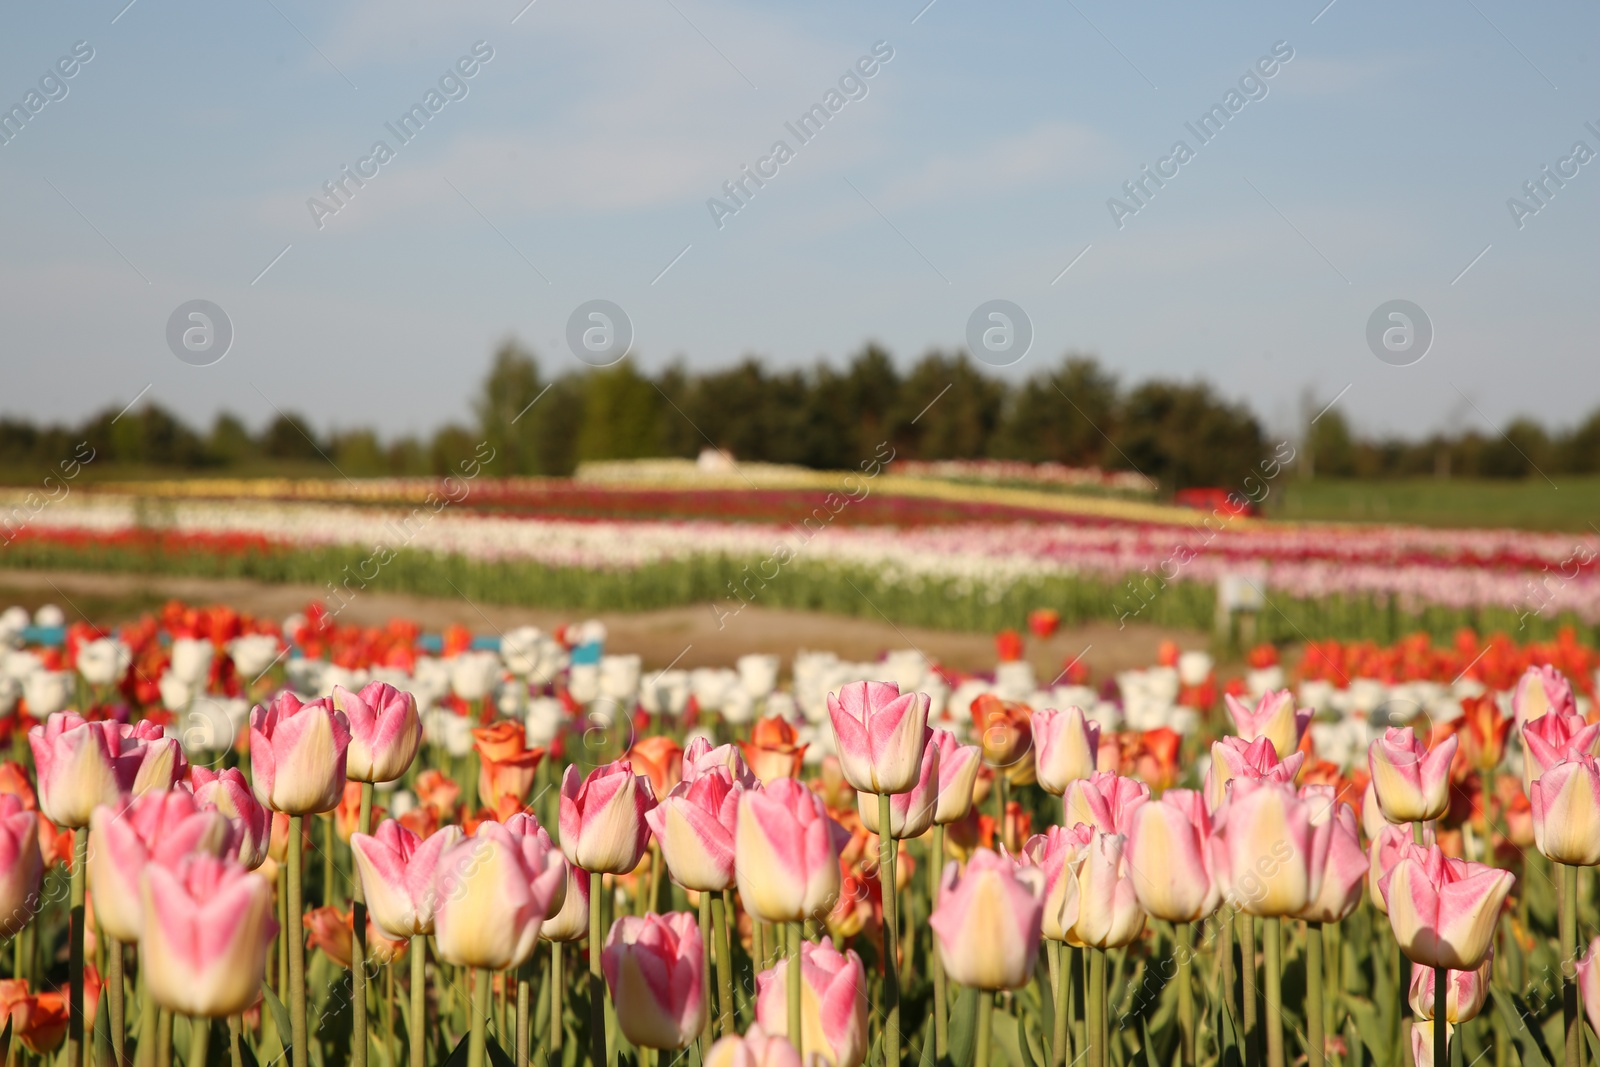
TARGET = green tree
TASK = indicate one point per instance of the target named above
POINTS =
(620, 413)
(506, 406)
(1330, 447)
(290, 437)
(948, 410)
(1183, 434)
(1522, 450)
(1067, 415)
(229, 443)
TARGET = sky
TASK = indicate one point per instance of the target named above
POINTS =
(186, 158)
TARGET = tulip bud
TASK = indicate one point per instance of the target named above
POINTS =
(1270, 855)
(228, 792)
(494, 890)
(160, 758)
(81, 765)
(988, 920)
(1566, 812)
(880, 734)
(1109, 915)
(1346, 866)
(786, 853)
(1465, 991)
(398, 871)
(385, 731)
(1053, 853)
(1256, 761)
(206, 927)
(700, 758)
(910, 813)
(655, 969)
(602, 825)
(1103, 800)
(1541, 691)
(1169, 857)
(1551, 738)
(1411, 781)
(1066, 747)
(1274, 717)
(833, 1004)
(297, 754)
(958, 776)
(754, 1049)
(694, 825)
(155, 828)
(1443, 911)
(21, 865)
(571, 923)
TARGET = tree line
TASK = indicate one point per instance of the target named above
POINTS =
(944, 406)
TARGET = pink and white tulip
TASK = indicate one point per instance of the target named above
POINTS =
(21, 865)
(81, 765)
(1542, 691)
(694, 825)
(1169, 857)
(494, 889)
(602, 825)
(700, 757)
(1054, 853)
(1103, 800)
(1269, 851)
(297, 754)
(880, 734)
(571, 923)
(1066, 746)
(228, 792)
(1109, 915)
(1346, 867)
(1411, 781)
(1444, 911)
(1273, 717)
(385, 731)
(655, 969)
(988, 920)
(398, 873)
(206, 926)
(161, 762)
(1256, 761)
(786, 853)
(755, 1049)
(958, 773)
(910, 813)
(1566, 811)
(1383, 852)
(1465, 991)
(1554, 737)
(155, 828)
(833, 1004)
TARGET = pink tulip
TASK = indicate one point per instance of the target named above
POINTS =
(1103, 800)
(1384, 852)
(1269, 852)
(754, 1049)
(1589, 984)
(1372, 820)
(228, 792)
(1552, 738)
(833, 1004)
(297, 754)
(571, 923)
(81, 765)
(398, 871)
(1443, 911)
(1542, 691)
(602, 825)
(700, 757)
(786, 853)
(1109, 915)
(1566, 811)
(1346, 867)
(1274, 717)
(880, 734)
(958, 773)
(1412, 782)
(161, 762)
(1066, 746)
(494, 889)
(1256, 761)
(1422, 1042)
(1169, 857)
(655, 969)
(1465, 991)
(207, 924)
(385, 731)
(910, 813)
(694, 826)
(21, 865)
(988, 921)
(1054, 852)
(155, 828)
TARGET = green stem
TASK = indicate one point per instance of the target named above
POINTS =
(330, 886)
(1441, 1028)
(1077, 989)
(524, 999)
(721, 911)
(164, 1038)
(282, 947)
(597, 985)
(1315, 1042)
(792, 985)
(985, 1024)
(557, 992)
(145, 1054)
(358, 955)
(941, 1010)
(80, 861)
(1185, 953)
(1097, 1008)
(199, 1038)
(1060, 982)
(476, 1044)
(708, 942)
(296, 945)
(1271, 933)
(887, 848)
(1247, 970)
(114, 1001)
(1571, 1020)
(1230, 995)
(416, 1051)
(235, 1037)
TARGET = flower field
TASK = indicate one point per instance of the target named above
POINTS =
(236, 840)
(915, 550)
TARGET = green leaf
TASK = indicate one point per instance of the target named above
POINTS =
(964, 1026)
(1005, 1036)
(280, 1015)
(5, 1042)
(101, 1037)
(458, 1058)
(1530, 1043)
(1369, 1026)
(497, 1055)
(927, 1059)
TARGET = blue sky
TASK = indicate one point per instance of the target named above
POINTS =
(978, 165)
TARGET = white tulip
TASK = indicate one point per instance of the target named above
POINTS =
(50, 617)
(191, 660)
(758, 674)
(253, 654)
(619, 677)
(473, 674)
(104, 661)
(176, 694)
(46, 692)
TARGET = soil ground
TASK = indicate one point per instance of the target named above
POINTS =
(686, 636)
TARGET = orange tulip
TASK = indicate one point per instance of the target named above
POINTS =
(1004, 731)
(772, 751)
(659, 759)
(1483, 731)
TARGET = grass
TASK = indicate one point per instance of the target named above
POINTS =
(1573, 503)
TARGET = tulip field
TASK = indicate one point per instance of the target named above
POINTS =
(228, 840)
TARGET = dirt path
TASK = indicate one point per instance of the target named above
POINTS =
(687, 636)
